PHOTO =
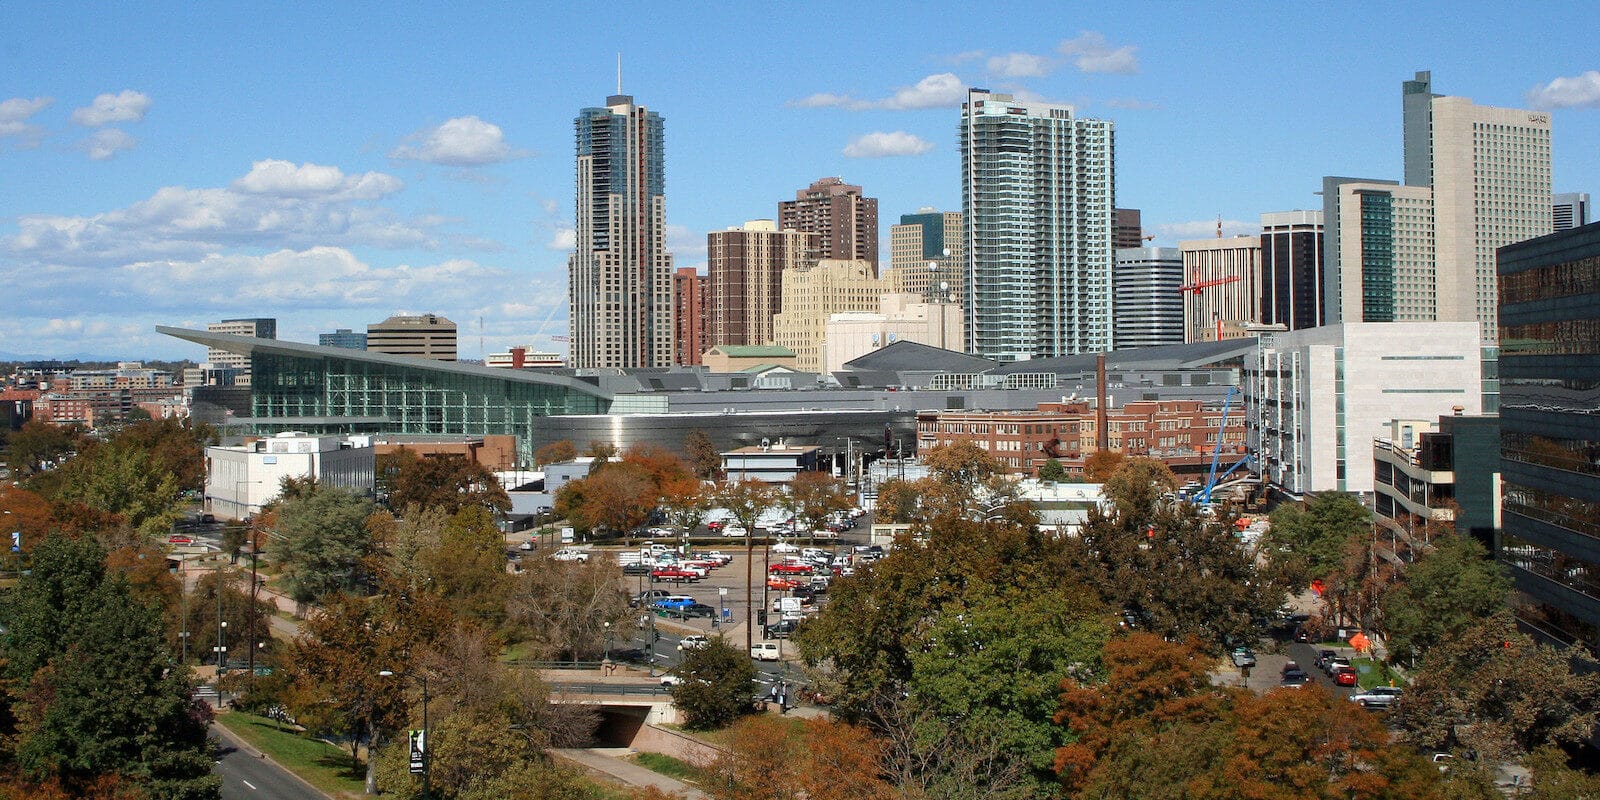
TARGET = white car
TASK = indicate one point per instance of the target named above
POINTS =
(694, 642)
(716, 555)
(570, 554)
(784, 547)
(764, 651)
(1377, 697)
(733, 531)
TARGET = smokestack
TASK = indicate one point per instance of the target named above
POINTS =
(1102, 437)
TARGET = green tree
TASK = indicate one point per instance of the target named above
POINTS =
(246, 621)
(322, 543)
(175, 446)
(704, 458)
(1451, 588)
(91, 678)
(123, 480)
(713, 686)
(38, 442)
(1309, 540)
(1052, 471)
(467, 566)
(601, 451)
(1138, 489)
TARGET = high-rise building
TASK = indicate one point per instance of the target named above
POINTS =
(1038, 193)
(1379, 246)
(343, 337)
(689, 314)
(744, 280)
(815, 293)
(620, 276)
(1129, 230)
(421, 336)
(925, 255)
(1549, 343)
(1489, 169)
(1291, 269)
(1569, 210)
(1148, 307)
(1222, 287)
(257, 327)
(845, 220)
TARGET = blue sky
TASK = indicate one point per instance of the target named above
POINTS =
(330, 166)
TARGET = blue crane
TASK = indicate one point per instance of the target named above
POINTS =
(1216, 453)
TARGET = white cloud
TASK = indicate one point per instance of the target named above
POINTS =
(459, 142)
(941, 90)
(564, 239)
(1578, 91)
(125, 106)
(106, 143)
(879, 144)
(285, 179)
(15, 113)
(685, 245)
(1206, 229)
(1021, 65)
(1132, 104)
(965, 56)
(1091, 53)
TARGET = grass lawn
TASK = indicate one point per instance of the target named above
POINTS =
(321, 764)
(671, 767)
(1371, 672)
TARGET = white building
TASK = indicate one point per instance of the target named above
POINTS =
(773, 463)
(1222, 287)
(240, 480)
(1149, 307)
(1316, 398)
(900, 317)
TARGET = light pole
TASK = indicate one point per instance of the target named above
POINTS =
(608, 640)
(419, 744)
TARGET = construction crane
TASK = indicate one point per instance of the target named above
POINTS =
(1216, 453)
(1196, 287)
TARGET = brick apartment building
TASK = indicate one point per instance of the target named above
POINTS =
(1181, 433)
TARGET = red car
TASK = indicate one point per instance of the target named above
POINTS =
(789, 569)
(178, 539)
(782, 584)
(1345, 676)
(673, 574)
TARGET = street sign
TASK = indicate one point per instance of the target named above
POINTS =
(419, 748)
(723, 591)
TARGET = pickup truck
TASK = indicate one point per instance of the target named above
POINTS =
(571, 554)
(672, 574)
(790, 569)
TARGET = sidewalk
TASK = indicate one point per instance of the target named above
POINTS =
(609, 763)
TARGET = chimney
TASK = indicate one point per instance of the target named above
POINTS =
(1102, 437)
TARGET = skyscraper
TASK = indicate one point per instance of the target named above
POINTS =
(420, 336)
(844, 218)
(1149, 307)
(925, 251)
(343, 337)
(1489, 169)
(744, 277)
(1129, 230)
(257, 327)
(620, 277)
(1379, 251)
(1291, 269)
(1038, 193)
(1569, 210)
(1222, 294)
(689, 314)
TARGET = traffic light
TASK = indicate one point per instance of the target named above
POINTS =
(761, 618)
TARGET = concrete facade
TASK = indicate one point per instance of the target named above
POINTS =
(1233, 300)
(814, 295)
(1315, 399)
(421, 336)
(1380, 245)
(240, 480)
(900, 317)
(926, 256)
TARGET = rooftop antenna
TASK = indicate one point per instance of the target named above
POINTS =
(619, 72)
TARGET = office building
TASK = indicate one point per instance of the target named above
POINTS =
(620, 276)
(1489, 169)
(343, 337)
(1221, 287)
(1443, 472)
(812, 295)
(1379, 240)
(1129, 230)
(744, 279)
(926, 256)
(845, 220)
(240, 480)
(230, 364)
(524, 357)
(1550, 435)
(1038, 187)
(1569, 210)
(1148, 310)
(419, 336)
(1291, 269)
(1315, 399)
(900, 317)
(690, 314)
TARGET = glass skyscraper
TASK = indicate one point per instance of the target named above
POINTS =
(1038, 187)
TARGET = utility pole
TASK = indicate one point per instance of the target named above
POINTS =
(250, 623)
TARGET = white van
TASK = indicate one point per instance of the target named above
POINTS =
(764, 651)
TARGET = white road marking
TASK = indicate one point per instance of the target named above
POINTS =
(249, 784)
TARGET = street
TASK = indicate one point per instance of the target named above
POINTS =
(246, 776)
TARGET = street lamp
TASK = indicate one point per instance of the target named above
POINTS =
(419, 740)
(608, 640)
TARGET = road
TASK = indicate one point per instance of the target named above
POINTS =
(246, 776)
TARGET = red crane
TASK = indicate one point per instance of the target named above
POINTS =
(1196, 287)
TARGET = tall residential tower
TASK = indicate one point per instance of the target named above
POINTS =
(620, 276)
(845, 220)
(1038, 196)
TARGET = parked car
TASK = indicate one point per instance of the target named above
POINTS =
(180, 539)
(675, 602)
(1322, 658)
(1333, 665)
(781, 629)
(784, 547)
(699, 610)
(782, 584)
(790, 569)
(1345, 676)
(637, 568)
(531, 544)
(570, 554)
(1377, 697)
(1243, 657)
(765, 651)
(1290, 665)
(1295, 677)
(716, 555)
(673, 574)
(649, 595)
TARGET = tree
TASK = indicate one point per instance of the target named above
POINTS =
(175, 446)
(1451, 588)
(686, 503)
(39, 442)
(90, 674)
(1102, 464)
(616, 498)
(322, 542)
(601, 451)
(897, 501)
(467, 566)
(1052, 471)
(124, 481)
(704, 458)
(1309, 540)
(962, 463)
(449, 482)
(817, 760)
(713, 686)
(815, 496)
(559, 609)
(662, 465)
(1490, 688)
(555, 453)
(1138, 488)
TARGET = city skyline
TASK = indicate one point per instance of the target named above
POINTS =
(310, 165)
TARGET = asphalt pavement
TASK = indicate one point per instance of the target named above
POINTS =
(247, 775)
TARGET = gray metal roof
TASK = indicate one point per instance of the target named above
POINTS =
(907, 355)
(245, 345)
(1171, 356)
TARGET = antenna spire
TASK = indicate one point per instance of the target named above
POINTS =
(619, 72)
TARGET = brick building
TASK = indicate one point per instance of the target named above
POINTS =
(1181, 433)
